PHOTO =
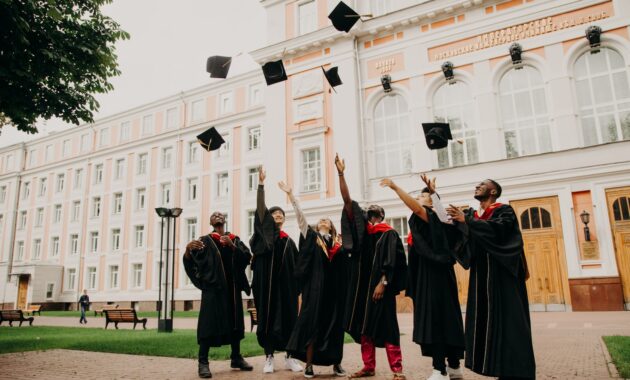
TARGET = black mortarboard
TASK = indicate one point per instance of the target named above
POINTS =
(274, 72)
(437, 134)
(332, 76)
(343, 17)
(218, 66)
(211, 139)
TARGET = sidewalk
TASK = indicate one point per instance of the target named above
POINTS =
(567, 346)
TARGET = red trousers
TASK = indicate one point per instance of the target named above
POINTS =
(368, 353)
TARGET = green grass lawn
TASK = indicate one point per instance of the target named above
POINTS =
(179, 344)
(141, 314)
(619, 348)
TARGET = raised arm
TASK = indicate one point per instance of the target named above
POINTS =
(296, 206)
(260, 199)
(407, 199)
(343, 186)
(438, 207)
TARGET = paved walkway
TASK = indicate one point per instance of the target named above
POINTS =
(567, 346)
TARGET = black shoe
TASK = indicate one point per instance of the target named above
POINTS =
(338, 370)
(308, 372)
(204, 371)
(240, 363)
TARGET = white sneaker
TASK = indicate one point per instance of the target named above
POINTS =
(293, 365)
(437, 375)
(455, 373)
(268, 368)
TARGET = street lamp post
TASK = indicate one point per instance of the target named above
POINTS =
(586, 218)
(166, 305)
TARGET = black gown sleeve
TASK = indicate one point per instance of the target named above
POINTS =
(242, 258)
(353, 228)
(394, 262)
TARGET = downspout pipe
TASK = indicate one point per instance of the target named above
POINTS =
(364, 169)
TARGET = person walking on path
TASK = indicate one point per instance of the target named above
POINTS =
(84, 303)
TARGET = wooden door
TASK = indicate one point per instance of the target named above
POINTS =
(541, 227)
(22, 292)
(619, 212)
(462, 276)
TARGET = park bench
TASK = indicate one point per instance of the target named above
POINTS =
(32, 309)
(14, 316)
(104, 308)
(117, 316)
(253, 317)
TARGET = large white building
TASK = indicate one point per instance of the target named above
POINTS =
(77, 207)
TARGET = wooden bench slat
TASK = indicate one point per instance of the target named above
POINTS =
(125, 316)
(15, 316)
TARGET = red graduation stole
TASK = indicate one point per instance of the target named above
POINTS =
(217, 238)
(283, 234)
(333, 251)
(487, 213)
(376, 228)
(409, 240)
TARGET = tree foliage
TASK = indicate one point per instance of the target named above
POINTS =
(55, 55)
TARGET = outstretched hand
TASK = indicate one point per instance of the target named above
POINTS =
(261, 175)
(340, 164)
(430, 182)
(284, 187)
(387, 182)
(456, 214)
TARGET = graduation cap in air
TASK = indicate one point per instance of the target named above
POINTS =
(211, 139)
(343, 17)
(437, 134)
(332, 76)
(218, 66)
(274, 72)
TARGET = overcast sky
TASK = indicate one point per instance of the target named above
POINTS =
(170, 41)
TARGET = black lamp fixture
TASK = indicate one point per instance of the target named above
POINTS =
(447, 69)
(593, 35)
(586, 217)
(165, 309)
(386, 82)
(516, 50)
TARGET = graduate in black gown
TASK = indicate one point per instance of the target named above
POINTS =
(322, 276)
(273, 284)
(216, 264)
(437, 324)
(498, 327)
(378, 272)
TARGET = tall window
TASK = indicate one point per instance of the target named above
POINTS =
(116, 239)
(139, 236)
(147, 125)
(76, 210)
(142, 164)
(252, 179)
(253, 138)
(54, 246)
(137, 275)
(171, 118)
(61, 179)
(65, 148)
(250, 222)
(453, 103)
(37, 249)
(94, 241)
(167, 154)
(22, 222)
(197, 111)
(223, 186)
(85, 142)
(50, 290)
(42, 187)
(125, 130)
(3, 194)
(255, 94)
(20, 251)
(307, 16)
(98, 174)
(118, 203)
(32, 158)
(226, 103)
(57, 214)
(193, 152)
(39, 217)
(524, 112)
(224, 150)
(166, 193)
(26, 190)
(74, 244)
(392, 133)
(78, 178)
(311, 170)
(192, 189)
(96, 207)
(113, 276)
(104, 137)
(603, 94)
(120, 168)
(140, 198)
(191, 231)
(91, 278)
(71, 275)
(48, 153)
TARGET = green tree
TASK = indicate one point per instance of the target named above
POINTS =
(55, 55)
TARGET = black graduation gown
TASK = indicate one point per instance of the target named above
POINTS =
(437, 319)
(498, 327)
(273, 284)
(220, 274)
(322, 284)
(372, 255)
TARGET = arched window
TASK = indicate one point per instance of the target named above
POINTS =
(603, 94)
(524, 112)
(621, 209)
(392, 136)
(535, 218)
(453, 103)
